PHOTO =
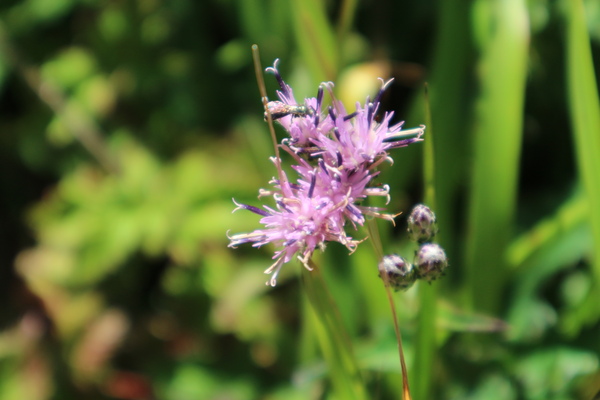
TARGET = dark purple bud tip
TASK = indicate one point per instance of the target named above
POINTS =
(431, 262)
(400, 273)
(422, 224)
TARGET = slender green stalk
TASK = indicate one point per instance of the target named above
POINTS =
(263, 95)
(425, 343)
(585, 116)
(443, 170)
(429, 157)
(450, 76)
(376, 241)
(316, 39)
(504, 29)
(573, 213)
(253, 20)
(348, 9)
(333, 339)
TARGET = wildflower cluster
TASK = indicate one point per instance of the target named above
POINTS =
(430, 259)
(336, 154)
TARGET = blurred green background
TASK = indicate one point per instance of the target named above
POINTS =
(126, 127)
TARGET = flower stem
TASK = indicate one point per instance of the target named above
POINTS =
(425, 343)
(376, 241)
(263, 94)
(333, 339)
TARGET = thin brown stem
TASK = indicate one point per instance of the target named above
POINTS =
(376, 241)
(405, 387)
(265, 100)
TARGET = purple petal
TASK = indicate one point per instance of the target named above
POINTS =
(250, 208)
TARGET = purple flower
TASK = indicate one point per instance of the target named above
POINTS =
(304, 218)
(342, 150)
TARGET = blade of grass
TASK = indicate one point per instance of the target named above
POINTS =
(377, 246)
(262, 21)
(348, 8)
(548, 233)
(316, 39)
(333, 339)
(499, 117)
(450, 108)
(253, 19)
(425, 343)
(585, 115)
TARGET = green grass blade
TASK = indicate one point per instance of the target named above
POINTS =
(348, 8)
(585, 116)
(316, 39)
(425, 343)
(546, 236)
(499, 118)
(443, 170)
(334, 342)
(450, 112)
(253, 18)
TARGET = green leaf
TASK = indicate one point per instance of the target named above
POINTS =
(550, 373)
(585, 116)
(316, 38)
(498, 121)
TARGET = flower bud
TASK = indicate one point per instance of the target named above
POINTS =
(422, 224)
(430, 262)
(400, 273)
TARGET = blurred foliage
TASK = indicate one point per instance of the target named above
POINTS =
(128, 125)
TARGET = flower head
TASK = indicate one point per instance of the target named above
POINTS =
(335, 156)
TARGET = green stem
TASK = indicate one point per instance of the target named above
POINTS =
(585, 116)
(332, 337)
(348, 8)
(497, 148)
(376, 242)
(425, 343)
